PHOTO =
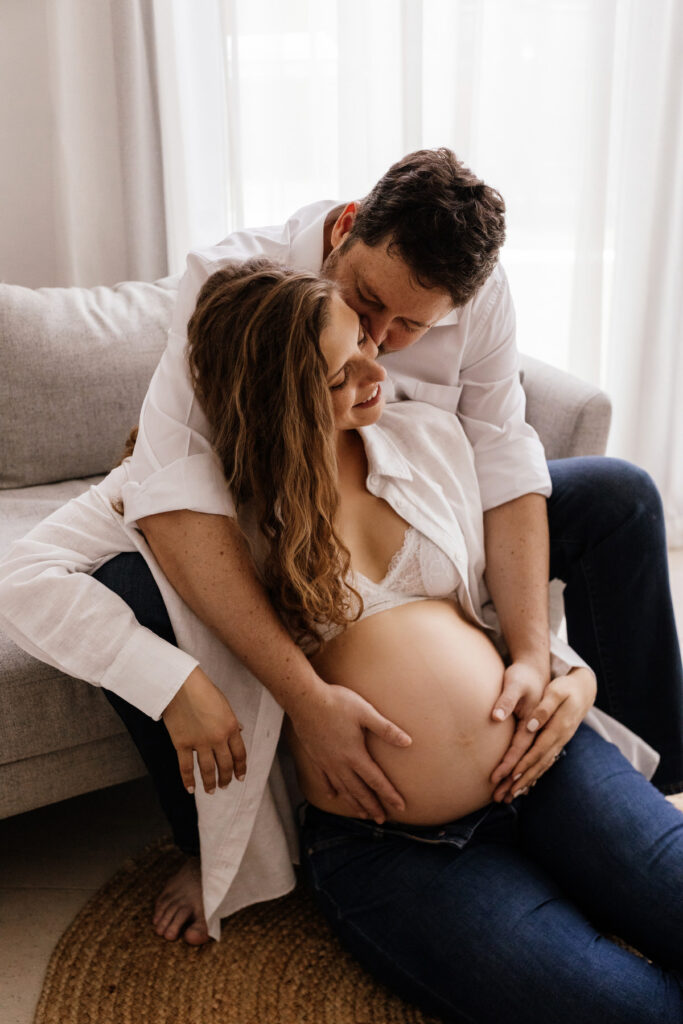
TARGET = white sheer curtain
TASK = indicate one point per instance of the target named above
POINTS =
(572, 108)
(81, 174)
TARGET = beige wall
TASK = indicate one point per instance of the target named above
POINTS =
(27, 223)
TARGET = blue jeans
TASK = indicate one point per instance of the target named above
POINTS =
(501, 915)
(608, 544)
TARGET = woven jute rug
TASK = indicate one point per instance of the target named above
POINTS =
(276, 963)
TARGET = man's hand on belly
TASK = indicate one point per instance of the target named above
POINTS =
(523, 687)
(331, 729)
(543, 734)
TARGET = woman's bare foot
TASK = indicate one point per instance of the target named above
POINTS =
(179, 908)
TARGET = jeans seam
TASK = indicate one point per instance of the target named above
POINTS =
(419, 984)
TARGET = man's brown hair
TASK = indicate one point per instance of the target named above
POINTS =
(443, 221)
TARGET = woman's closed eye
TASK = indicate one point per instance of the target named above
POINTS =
(362, 341)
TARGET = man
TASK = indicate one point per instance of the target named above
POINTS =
(417, 260)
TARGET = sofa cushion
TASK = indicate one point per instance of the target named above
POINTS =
(44, 710)
(76, 363)
(24, 508)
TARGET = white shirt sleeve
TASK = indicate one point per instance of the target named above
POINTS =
(53, 609)
(173, 465)
(509, 457)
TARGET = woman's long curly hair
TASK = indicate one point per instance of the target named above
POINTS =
(260, 377)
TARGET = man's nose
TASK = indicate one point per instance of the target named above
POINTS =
(377, 326)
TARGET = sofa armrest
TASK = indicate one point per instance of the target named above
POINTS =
(570, 416)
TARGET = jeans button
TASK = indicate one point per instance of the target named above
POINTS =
(442, 832)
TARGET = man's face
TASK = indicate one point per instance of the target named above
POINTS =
(377, 284)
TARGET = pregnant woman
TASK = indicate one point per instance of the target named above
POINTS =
(367, 533)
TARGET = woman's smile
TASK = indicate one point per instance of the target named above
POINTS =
(372, 400)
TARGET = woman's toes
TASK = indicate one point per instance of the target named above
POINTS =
(175, 925)
(196, 934)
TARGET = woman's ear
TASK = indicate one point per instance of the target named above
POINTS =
(343, 224)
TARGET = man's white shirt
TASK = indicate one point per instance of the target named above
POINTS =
(466, 364)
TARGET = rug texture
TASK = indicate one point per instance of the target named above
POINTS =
(276, 963)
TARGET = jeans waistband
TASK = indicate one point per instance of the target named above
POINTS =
(456, 833)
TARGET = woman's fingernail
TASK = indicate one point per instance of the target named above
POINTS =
(240, 776)
(190, 789)
(499, 714)
(517, 776)
(533, 724)
(520, 792)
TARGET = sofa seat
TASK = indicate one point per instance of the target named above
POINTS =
(58, 735)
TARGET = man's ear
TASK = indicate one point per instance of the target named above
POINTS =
(343, 224)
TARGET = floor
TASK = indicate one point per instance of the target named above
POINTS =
(53, 859)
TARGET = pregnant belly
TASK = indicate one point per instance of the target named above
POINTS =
(436, 676)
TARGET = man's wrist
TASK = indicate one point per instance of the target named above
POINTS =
(536, 661)
(303, 693)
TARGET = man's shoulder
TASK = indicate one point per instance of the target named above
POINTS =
(283, 242)
(495, 291)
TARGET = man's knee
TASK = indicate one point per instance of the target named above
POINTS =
(129, 576)
(613, 491)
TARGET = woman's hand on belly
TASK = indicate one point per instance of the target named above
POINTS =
(565, 703)
(332, 733)
(437, 676)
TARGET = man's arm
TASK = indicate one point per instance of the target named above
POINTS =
(207, 561)
(517, 566)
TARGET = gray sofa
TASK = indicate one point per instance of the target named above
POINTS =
(75, 367)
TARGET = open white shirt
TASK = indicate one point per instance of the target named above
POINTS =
(419, 461)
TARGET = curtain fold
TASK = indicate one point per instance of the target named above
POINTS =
(176, 121)
(645, 337)
(572, 109)
(107, 169)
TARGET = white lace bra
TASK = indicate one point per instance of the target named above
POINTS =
(418, 570)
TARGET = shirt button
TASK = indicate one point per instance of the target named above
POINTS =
(373, 480)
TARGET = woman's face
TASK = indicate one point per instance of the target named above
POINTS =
(353, 374)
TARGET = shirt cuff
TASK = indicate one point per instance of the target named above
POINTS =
(148, 672)
(509, 472)
(196, 483)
